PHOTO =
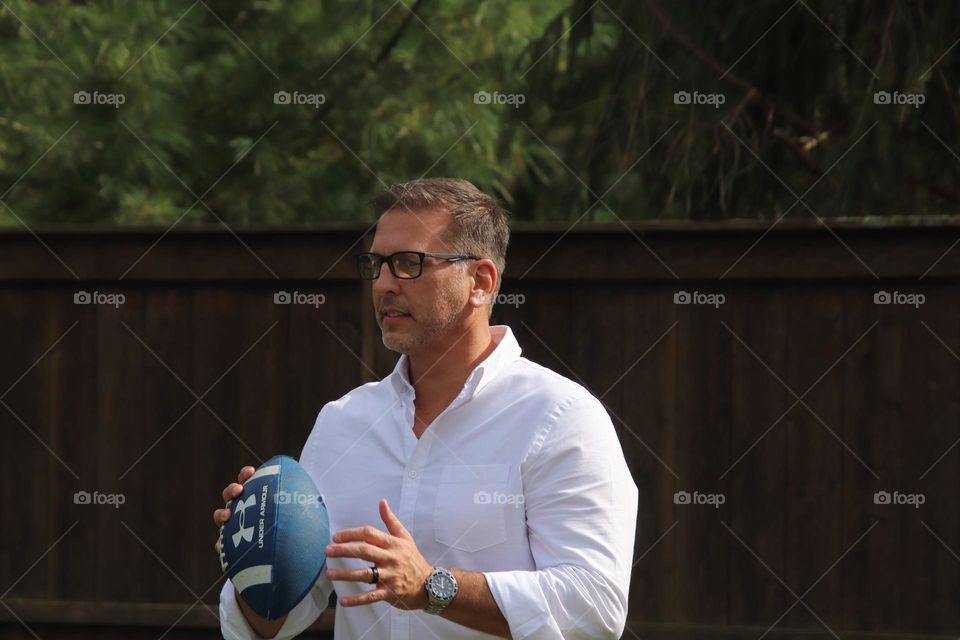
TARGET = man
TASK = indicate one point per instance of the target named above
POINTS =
(472, 493)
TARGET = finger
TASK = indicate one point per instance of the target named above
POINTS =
(232, 491)
(367, 597)
(220, 516)
(245, 474)
(360, 550)
(363, 534)
(217, 547)
(364, 574)
(394, 526)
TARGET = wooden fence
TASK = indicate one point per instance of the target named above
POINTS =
(758, 373)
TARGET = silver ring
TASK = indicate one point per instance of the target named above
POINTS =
(374, 575)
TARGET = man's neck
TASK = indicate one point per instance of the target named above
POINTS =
(438, 375)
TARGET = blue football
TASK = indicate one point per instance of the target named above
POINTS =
(272, 547)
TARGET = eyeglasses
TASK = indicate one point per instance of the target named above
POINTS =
(405, 265)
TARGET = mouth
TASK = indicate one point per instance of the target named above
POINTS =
(393, 315)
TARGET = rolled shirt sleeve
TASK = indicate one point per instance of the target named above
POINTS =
(234, 625)
(581, 507)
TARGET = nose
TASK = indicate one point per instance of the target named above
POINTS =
(385, 283)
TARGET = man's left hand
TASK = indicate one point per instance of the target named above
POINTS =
(403, 569)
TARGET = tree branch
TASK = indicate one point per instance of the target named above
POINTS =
(395, 38)
(751, 91)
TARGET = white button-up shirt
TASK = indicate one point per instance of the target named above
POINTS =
(521, 477)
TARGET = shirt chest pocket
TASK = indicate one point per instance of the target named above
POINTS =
(469, 513)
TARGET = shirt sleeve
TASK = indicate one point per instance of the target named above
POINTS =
(581, 506)
(234, 625)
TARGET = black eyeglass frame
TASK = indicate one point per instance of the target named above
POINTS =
(447, 257)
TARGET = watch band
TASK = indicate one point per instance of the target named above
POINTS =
(436, 607)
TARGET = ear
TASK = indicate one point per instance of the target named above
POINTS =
(485, 278)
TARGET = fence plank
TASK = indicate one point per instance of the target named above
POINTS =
(755, 467)
(931, 417)
(648, 439)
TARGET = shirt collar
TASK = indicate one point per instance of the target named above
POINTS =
(506, 351)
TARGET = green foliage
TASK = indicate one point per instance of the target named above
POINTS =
(199, 137)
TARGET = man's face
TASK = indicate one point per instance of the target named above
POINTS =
(430, 306)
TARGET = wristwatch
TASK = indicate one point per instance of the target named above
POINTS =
(441, 588)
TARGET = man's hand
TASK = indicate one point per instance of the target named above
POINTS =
(403, 569)
(231, 491)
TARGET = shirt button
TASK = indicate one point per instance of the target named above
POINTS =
(412, 474)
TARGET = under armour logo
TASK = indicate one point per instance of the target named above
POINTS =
(245, 533)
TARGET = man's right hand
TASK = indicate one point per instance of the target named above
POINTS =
(231, 491)
(264, 628)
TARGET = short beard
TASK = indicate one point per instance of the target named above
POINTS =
(428, 328)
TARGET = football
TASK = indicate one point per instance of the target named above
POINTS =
(272, 547)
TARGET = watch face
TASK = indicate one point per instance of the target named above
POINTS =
(443, 586)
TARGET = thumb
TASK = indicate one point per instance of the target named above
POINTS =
(394, 526)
